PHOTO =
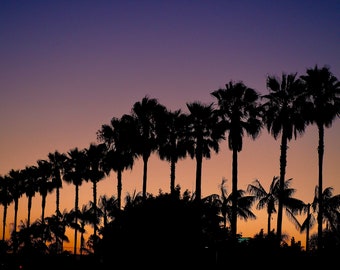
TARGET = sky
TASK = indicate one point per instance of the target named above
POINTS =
(68, 67)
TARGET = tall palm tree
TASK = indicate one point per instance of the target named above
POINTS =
(5, 200)
(204, 131)
(94, 173)
(118, 137)
(323, 92)
(44, 183)
(148, 113)
(172, 142)
(240, 112)
(30, 175)
(57, 160)
(283, 115)
(16, 190)
(75, 170)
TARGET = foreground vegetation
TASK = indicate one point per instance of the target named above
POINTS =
(164, 230)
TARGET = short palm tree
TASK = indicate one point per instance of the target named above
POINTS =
(283, 115)
(244, 204)
(270, 199)
(331, 208)
(240, 112)
(266, 199)
(323, 95)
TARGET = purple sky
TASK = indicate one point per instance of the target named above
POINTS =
(67, 67)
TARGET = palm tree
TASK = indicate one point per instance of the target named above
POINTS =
(308, 223)
(239, 110)
(75, 169)
(16, 190)
(57, 161)
(148, 113)
(44, 183)
(94, 157)
(172, 142)
(270, 199)
(225, 200)
(108, 206)
(331, 207)
(85, 217)
(118, 138)
(323, 92)
(5, 199)
(204, 133)
(57, 226)
(283, 114)
(266, 199)
(16, 186)
(30, 175)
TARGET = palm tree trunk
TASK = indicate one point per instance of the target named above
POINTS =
(172, 177)
(283, 164)
(57, 200)
(76, 219)
(198, 190)
(307, 229)
(145, 171)
(119, 188)
(29, 207)
(233, 222)
(43, 205)
(320, 202)
(268, 223)
(4, 221)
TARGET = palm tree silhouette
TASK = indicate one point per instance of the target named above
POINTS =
(94, 157)
(30, 176)
(204, 133)
(45, 184)
(239, 110)
(172, 142)
(283, 114)
(75, 170)
(244, 204)
(266, 199)
(148, 113)
(331, 208)
(270, 199)
(57, 161)
(5, 200)
(118, 137)
(57, 224)
(323, 93)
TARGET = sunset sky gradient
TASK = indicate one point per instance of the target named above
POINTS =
(68, 67)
